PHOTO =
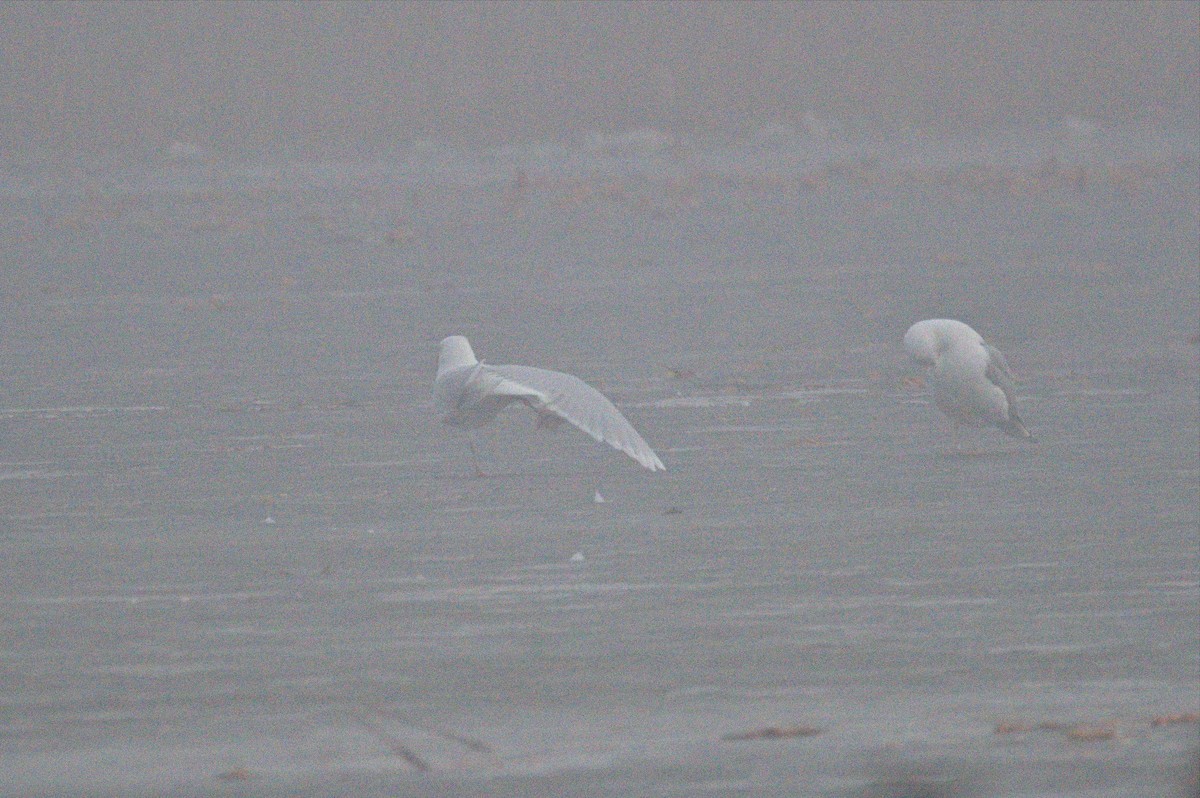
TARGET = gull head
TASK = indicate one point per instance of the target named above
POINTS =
(923, 343)
(928, 340)
(455, 352)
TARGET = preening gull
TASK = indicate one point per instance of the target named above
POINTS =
(969, 379)
(470, 394)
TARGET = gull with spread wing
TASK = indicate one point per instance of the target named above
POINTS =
(470, 394)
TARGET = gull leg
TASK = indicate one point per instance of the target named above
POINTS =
(475, 458)
(956, 446)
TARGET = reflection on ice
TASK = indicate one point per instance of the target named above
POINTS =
(39, 474)
(699, 402)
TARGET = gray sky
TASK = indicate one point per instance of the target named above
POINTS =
(333, 76)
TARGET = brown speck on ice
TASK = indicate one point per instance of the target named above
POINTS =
(1177, 718)
(1089, 734)
(774, 733)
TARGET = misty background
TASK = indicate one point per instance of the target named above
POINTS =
(242, 555)
(323, 78)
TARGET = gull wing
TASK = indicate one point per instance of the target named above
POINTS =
(490, 380)
(999, 375)
(573, 400)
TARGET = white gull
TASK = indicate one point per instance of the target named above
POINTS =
(470, 394)
(968, 379)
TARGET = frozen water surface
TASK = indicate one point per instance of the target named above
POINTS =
(241, 556)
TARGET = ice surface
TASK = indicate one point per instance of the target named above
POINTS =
(187, 353)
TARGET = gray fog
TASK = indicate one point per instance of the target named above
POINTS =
(322, 78)
(242, 554)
